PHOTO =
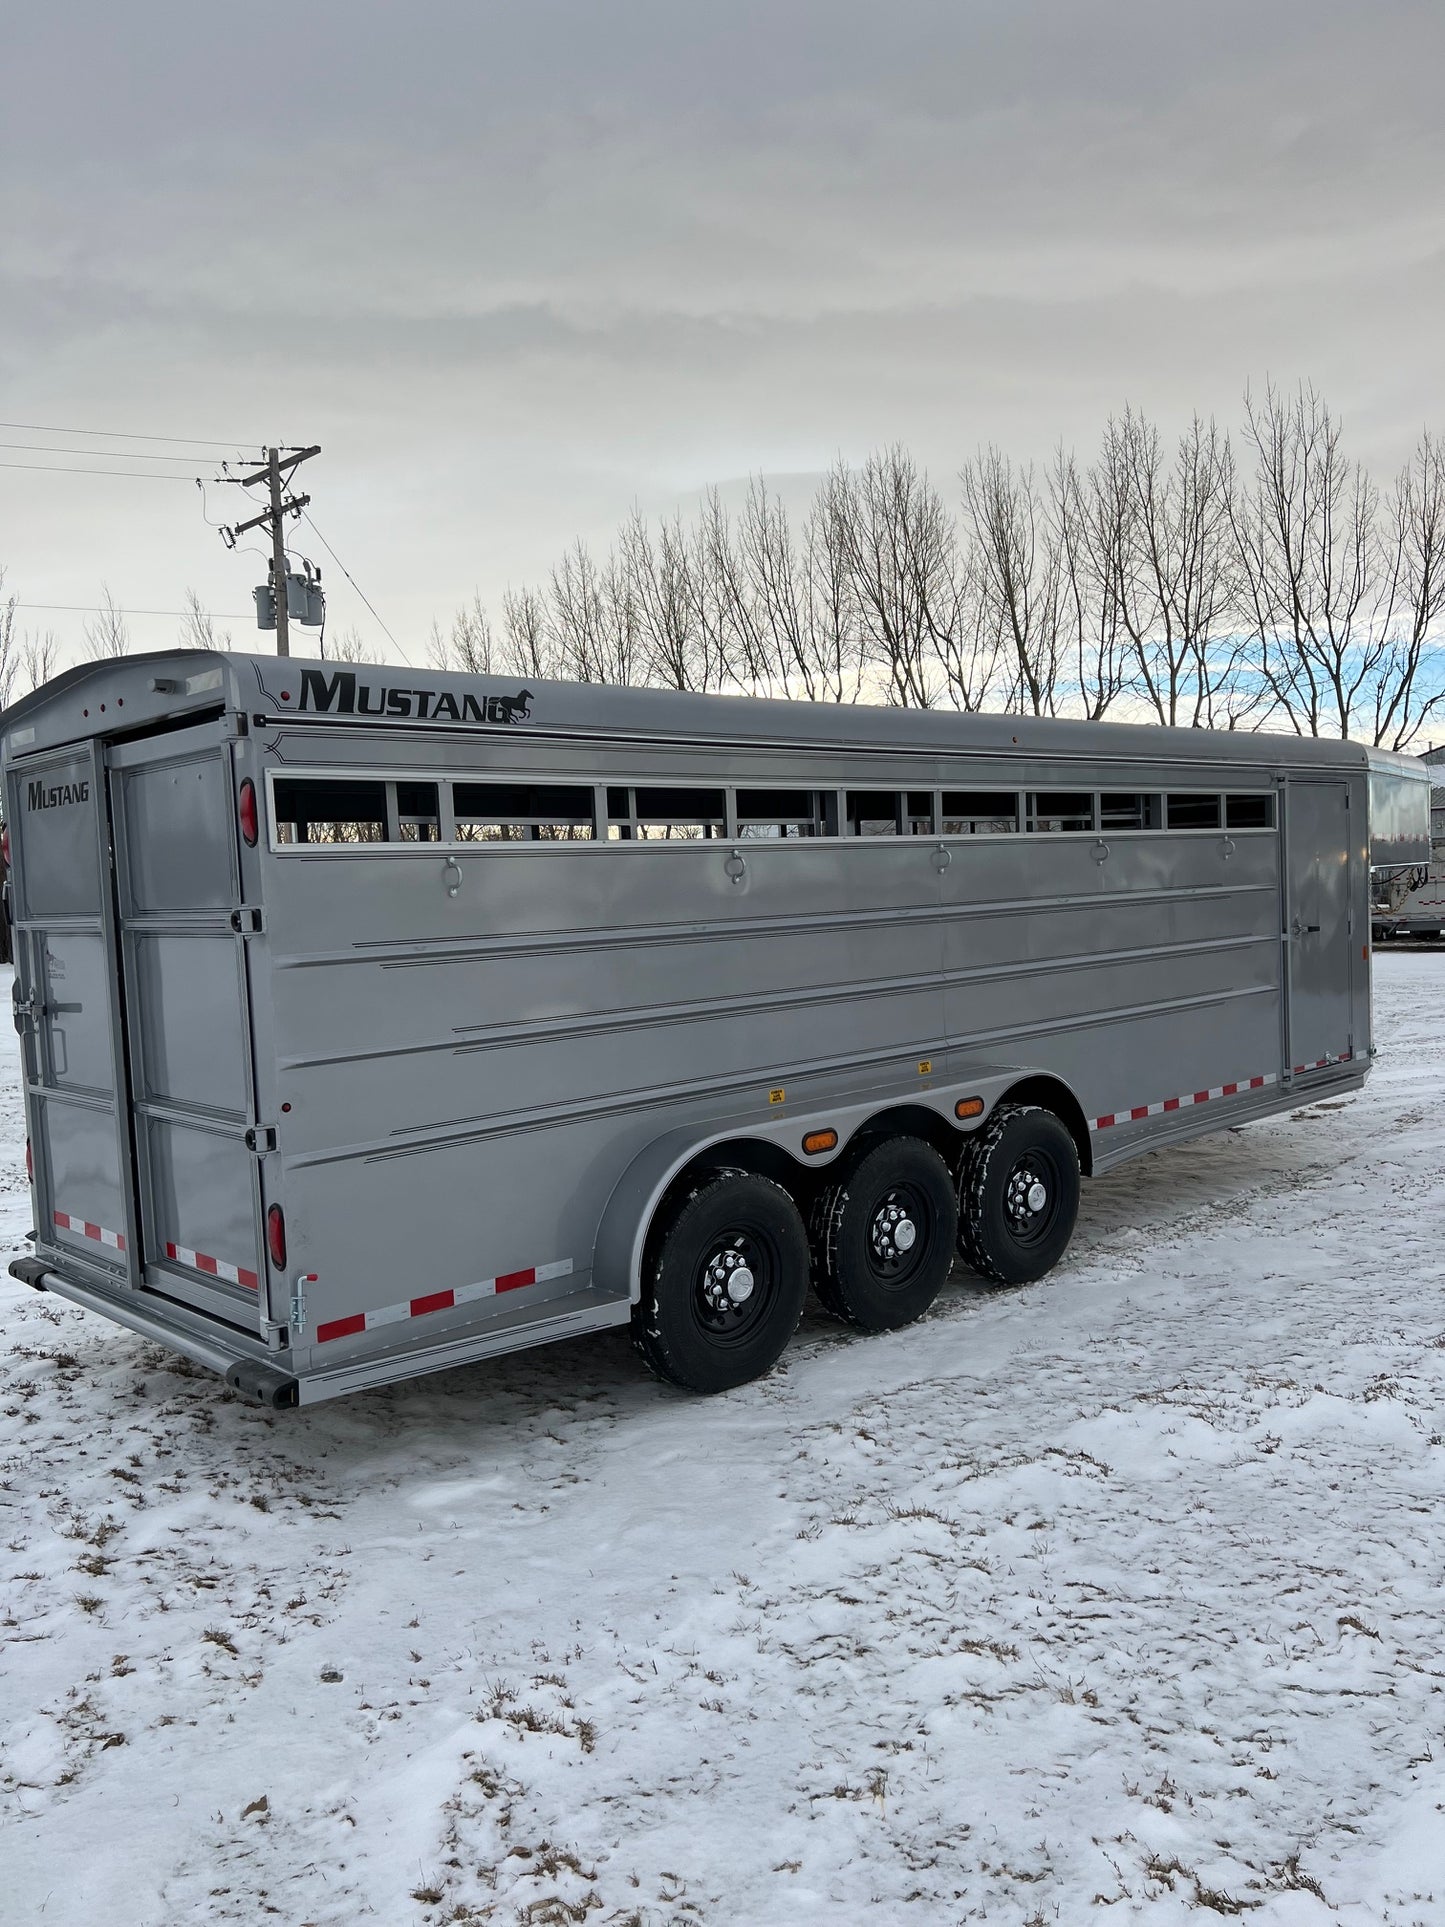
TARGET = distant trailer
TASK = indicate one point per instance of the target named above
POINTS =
(1418, 910)
(377, 1021)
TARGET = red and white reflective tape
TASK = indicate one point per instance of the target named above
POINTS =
(1188, 1098)
(1323, 1063)
(365, 1321)
(84, 1229)
(1183, 1102)
(214, 1267)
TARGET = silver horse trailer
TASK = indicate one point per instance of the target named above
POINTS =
(376, 1021)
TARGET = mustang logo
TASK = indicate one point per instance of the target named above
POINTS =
(344, 694)
(38, 797)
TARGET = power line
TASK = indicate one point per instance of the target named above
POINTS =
(357, 586)
(95, 609)
(134, 474)
(119, 435)
(101, 454)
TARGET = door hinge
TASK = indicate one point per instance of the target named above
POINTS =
(246, 923)
(261, 1138)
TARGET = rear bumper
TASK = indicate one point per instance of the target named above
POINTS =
(238, 1364)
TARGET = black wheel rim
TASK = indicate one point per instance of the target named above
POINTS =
(899, 1235)
(1033, 1198)
(735, 1285)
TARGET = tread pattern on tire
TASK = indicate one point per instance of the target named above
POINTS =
(648, 1336)
(827, 1218)
(973, 1183)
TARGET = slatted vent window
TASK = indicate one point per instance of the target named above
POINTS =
(324, 809)
(523, 812)
(1061, 810)
(979, 813)
(1194, 812)
(1127, 810)
(665, 815)
(418, 818)
(1253, 812)
(785, 813)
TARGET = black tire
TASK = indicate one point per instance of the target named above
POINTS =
(1001, 1234)
(688, 1325)
(861, 1274)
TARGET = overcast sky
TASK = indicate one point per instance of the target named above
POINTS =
(518, 266)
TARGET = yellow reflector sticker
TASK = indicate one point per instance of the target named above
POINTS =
(777, 1096)
(925, 1065)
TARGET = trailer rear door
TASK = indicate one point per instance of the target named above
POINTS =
(183, 963)
(66, 998)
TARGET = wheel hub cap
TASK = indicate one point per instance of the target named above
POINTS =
(894, 1232)
(1026, 1197)
(728, 1281)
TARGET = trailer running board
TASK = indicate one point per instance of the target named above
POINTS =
(263, 1381)
(582, 1312)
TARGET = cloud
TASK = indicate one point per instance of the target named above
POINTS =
(516, 267)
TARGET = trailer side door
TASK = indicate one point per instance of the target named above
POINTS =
(1319, 938)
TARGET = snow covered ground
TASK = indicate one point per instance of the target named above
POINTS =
(1117, 1597)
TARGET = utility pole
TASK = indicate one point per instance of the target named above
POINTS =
(278, 554)
(281, 465)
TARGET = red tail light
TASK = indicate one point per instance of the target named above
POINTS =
(29, 1163)
(276, 1236)
(250, 822)
(5, 845)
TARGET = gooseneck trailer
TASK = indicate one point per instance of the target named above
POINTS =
(376, 1021)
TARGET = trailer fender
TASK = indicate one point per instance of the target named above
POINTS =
(627, 1217)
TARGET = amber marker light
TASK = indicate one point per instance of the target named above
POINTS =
(968, 1107)
(818, 1141)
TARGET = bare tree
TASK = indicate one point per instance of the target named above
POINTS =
(198, 627)
(10, 644)
(592, 621)
(39, 658)
(902, 555)
(351, 646)
(723, 601)
(664, 598)
(1019, 569)
(1087, 515)
(775, 588)
(469, 646)
(1175, 565)
(834, 644)
(106, 632)
(1320, 587)
(1410, 685)
(526, 647)
(1152, 574)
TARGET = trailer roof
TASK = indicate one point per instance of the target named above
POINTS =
(120, 695)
